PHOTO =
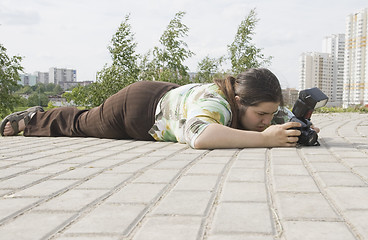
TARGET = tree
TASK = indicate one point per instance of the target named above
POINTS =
(243, 53)
(124, 69)
(209, 68)
(38, 99)
(9, 76)
(87, 96)
(168, 64)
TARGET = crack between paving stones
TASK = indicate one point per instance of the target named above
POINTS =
(270, 194)
(333, 205)
(207, 220)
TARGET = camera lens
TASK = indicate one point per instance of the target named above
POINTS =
(308, 137)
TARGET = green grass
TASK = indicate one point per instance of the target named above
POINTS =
(360, 109)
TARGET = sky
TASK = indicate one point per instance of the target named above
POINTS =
(75, 34)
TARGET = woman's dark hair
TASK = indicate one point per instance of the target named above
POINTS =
(253, 86)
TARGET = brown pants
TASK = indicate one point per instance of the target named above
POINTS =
(128, 114)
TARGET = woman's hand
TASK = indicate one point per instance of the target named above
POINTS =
(315, 128)
(282, 135)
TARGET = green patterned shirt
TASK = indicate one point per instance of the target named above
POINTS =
(184, 112)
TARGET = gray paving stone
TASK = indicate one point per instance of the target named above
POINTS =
(292, 170)
(305, 206)
(244, 192)
(206, 168)
(157, 176)
(184, 203)
(45, 188)
(348, 198)
(312, 230)
(329, 167)
(33, 225)
(230, 236)
(347, 179)
(89, 188)
(21, 181)
(242, 217)
(105, 181)
(137, 193)
(196, 182)
(10, 205)
(295, 184)
(246, 175)
(359, 219)
(169, 227)
(73, 200)
(108, 218)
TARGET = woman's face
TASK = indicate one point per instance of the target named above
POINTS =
(257, 118)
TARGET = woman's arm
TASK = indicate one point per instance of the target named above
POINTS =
(220, 136)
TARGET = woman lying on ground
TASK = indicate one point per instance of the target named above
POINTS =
(229, 113)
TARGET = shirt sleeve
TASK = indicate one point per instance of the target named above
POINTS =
(282, 116)
(203, 112)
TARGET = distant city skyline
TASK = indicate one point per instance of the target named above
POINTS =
(75, 34)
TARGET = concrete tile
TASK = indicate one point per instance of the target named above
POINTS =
(290, 170)
(196, 182)
(45, 188)
(348, 198)
(184, 203)
(244, 191)
(312, 230)
(244, 217)
(230, 236)
(205, 169)
(108, 218)
(9, 206)
(137, 193)
(329, 167)
(169, 227)
(359, 219)
(248, 164)
(308, 206)
(246, 175)
(21, 181)
(294, 184)
(105, 181)
(333, 179)
(157, 176)
(26, 226)
(73, 200)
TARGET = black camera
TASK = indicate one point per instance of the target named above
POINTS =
(309, 99)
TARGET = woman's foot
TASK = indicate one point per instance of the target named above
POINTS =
(9, 131)
(17, 122)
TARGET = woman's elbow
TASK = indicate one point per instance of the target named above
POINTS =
(199, 145)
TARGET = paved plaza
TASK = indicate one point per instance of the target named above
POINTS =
(99, 189)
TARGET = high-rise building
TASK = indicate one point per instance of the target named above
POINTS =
(42, 77)
(290, 95)
(335, 46)
(317, 71)
(356, 62)
(27, 79)
(62, 75)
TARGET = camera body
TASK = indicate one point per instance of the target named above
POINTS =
(308, 100)
(308, 136)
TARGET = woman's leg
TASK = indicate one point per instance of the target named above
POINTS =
(126, 114)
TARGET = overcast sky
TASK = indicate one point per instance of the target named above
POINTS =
(75, 33)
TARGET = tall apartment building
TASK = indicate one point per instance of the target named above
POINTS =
(27, 79)
(335, 45)
(317, 71)
(62, 75)
(42, 77)
(356, 62)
